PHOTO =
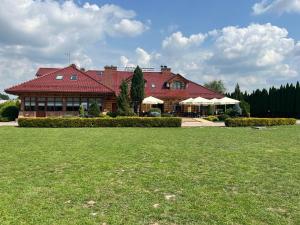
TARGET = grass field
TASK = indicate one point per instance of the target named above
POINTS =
(150, 176)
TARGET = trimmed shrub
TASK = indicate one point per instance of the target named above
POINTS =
(211, 118)
(223, 117)
(81, 111)
(248, 122)
(100, 122)
(166, 115)
(94, 110)
(4, 119)
(112, 114)
(235, 111)
(9, 110)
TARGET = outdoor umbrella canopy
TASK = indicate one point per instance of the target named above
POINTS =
(228, 101)
(188, 101)
(201, 101)
(152, 101)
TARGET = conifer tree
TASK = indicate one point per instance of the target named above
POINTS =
(123, 101)
(137, 89)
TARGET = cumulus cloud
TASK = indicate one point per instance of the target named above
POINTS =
(277, 6)
(257, 55)
(41, 32)
(177, 41)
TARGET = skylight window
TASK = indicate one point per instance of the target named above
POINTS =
(73, 77)
(59, 77)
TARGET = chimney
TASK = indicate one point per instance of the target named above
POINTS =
(165, 70)
(82, 69)
(73, 65)
(110, 68)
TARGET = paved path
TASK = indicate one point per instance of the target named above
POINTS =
(12, 124)
(298, 122)
(198, 122)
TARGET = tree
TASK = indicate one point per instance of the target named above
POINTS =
(237, 94)
(94, 110)
(137, 90)
(123, 101)
(216, 85)
(4, 97)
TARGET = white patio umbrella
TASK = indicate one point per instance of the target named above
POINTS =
(228, 101)
(201, 101)
(188, 101)
(152, 101)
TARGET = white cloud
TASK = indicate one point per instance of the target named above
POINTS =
(177, 41)
(41, 32)
(143, 57)
(257, 55)
(277, 6)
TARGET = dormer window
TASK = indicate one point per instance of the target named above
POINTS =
(178, 85)
(73, 77)
(59, 77)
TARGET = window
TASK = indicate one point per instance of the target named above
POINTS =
(54, 104)
(153, 85)
(41, 103)
(73, 104)
(59, 77)
(29, 104)
(178, 85)
(73, 77)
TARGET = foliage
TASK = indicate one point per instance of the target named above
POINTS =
(81, 111)
(275, 102)
(223, 117)
(123, 101)
(217, 176)
(112, 114)
(9, 110)
(4, 97)
(94, 110)
(212, 118)
(237, 94)
(216, 85)
(4, 119)
(245, 106)
(235, 111)
(101, 122)
(137, 89)
(246, 122)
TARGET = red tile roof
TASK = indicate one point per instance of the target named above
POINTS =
(158, 79)
(48, 83)
(109, 81)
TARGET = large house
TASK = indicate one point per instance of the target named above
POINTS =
(60, 91)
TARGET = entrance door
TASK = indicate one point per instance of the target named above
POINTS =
(113, 107)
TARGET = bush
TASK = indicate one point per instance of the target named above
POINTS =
(235, 111)
(100, 122)
(94, 110)
(211, 118)
(223, 117)
(81, 111)
(112, 114)
(154, 112)
(4, 119)
(9, 110)
(245, 106)
(246, 122)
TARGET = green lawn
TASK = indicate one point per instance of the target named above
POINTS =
(147, 176)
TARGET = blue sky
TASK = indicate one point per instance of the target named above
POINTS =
(253, 42)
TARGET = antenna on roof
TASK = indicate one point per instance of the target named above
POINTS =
(68, 54)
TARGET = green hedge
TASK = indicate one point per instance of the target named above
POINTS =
(101, 122)
(246, 122)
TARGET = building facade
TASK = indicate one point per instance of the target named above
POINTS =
(61, 91)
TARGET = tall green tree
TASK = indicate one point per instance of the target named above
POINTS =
(237, 94)
(123, 101)
(216, 85)
(137, 89)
